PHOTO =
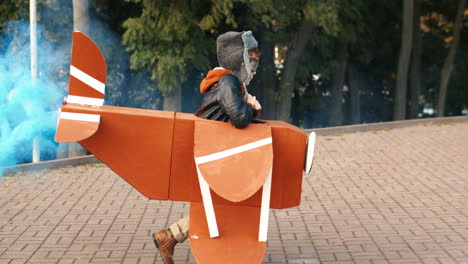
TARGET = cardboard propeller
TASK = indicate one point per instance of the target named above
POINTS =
(231, 176)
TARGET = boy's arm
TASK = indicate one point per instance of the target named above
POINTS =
(239, 112)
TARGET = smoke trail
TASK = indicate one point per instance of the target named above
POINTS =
(26, 110)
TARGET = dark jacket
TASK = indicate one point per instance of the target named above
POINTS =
(223, 101)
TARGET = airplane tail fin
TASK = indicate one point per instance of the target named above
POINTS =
(87, 87)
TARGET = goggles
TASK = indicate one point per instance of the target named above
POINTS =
(253, 63)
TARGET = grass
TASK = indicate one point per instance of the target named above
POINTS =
(44, 171)
(95, 165)
(444, 124)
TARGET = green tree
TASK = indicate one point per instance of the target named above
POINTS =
(372, 59)
(351, 29)
(262, 17)
(449, 60)
(415, 66)
(399, 112)
(13, 10)
(171, 38)
(339, 31)
(330, 19)
(442, 60)
(359, 53)
(297, 19)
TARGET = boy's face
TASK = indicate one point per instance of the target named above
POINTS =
(254, 60)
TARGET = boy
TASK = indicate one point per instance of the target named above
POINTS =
(226, 99)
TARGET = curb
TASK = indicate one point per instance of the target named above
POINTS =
(386, 125)
(50, 164)
(88, 159)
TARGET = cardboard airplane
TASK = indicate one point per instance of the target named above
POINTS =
(230, 176)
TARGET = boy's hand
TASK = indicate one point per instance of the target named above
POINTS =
(252, 101)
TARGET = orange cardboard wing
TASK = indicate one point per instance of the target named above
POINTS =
(135, 143)
(234, 162)
(238, 242)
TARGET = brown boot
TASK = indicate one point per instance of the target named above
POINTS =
(165, 242)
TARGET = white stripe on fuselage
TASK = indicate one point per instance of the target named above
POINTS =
(233, 151)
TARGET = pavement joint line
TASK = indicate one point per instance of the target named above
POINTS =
(435, 176)
(373, 204)
(55, 227)
(41, 192)
(120, 209)
(440, 152)
(133, 237)
(12, 198)
(97, 206)
(307, 227)
(279, 230)
(408, 214)
(333, 223)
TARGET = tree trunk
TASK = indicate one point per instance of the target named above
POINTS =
(80, 23)
(267, 79)
(449, 60)
(355, 83)
(62, 151)
(399, 108)
(81, 15)
(286, 86)
(415, 76)
(124, 88)
(336, 114)
(123, 100)
(173, 101)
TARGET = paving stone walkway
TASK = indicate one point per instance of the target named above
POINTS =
(391, 196)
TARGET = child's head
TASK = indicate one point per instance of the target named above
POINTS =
(239, 53)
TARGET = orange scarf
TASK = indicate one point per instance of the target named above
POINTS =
(213, 77)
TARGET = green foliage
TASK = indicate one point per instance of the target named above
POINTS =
(219, 11)
(13, 10)
(372, 46)
(115, 12)
(325, 14)
(170, 39)
(176, 40)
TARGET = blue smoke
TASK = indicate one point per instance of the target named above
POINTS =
(28, 110)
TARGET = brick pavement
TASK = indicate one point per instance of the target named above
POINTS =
(390, 196)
